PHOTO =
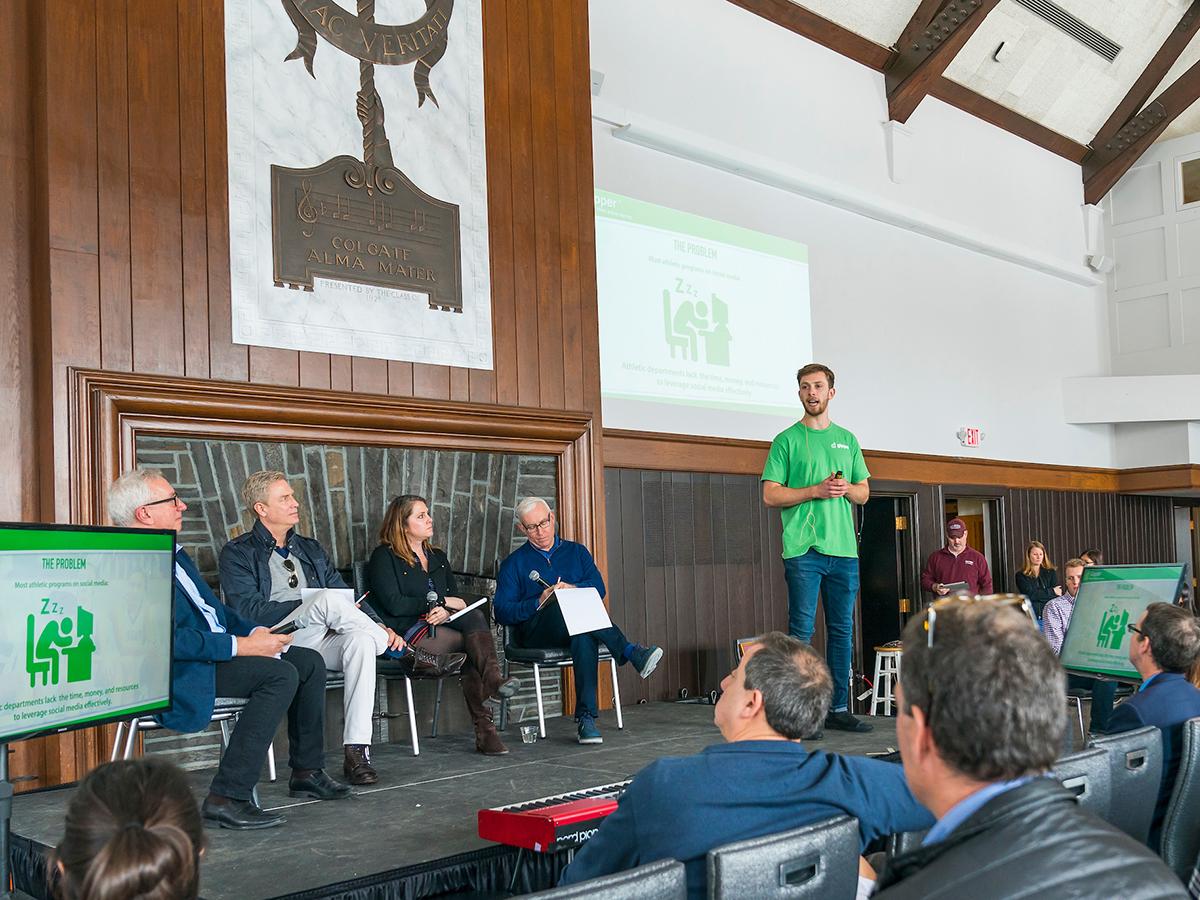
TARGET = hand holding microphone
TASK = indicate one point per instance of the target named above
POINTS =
(435, 612)
(536, 576)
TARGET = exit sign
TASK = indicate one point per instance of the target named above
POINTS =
(970, 436)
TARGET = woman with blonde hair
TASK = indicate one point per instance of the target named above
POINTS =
(1038, 580)
(415, 593)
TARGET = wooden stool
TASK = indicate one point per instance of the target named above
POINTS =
(887, 670)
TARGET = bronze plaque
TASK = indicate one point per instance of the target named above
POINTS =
(326, 222)
(364, 220)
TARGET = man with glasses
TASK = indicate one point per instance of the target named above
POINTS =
(1165, 645)
(263, 574)
(760, 781)
(218, 653)
(1056, 618)
(980, 724)
(522, 600)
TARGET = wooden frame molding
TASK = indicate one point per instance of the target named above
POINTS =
(109, 410)
(689, 453)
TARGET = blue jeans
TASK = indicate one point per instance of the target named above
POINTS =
(547, 629)
(835, 578)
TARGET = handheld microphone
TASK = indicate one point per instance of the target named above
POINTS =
(431, 603)
(535, 575)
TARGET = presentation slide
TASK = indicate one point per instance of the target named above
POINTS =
(85, 625)
(702, 324)
(1110, 599)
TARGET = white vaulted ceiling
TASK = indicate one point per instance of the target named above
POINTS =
(1042, 73)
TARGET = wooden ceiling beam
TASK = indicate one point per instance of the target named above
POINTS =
(919, 62)
(875, 56)
(1156, 70)
(1106, 164)
(817, 28)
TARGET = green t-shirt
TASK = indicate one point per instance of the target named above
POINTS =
(800, 457)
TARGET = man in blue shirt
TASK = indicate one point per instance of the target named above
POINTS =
(981, 722)
(217, 653)
(1165, 645)
(528, 578)
(761, 781)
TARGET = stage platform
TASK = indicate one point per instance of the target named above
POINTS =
(398, 838)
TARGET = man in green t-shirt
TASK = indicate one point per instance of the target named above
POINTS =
(814, 472)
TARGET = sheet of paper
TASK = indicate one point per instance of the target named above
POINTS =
(470, 606)
(582, 609)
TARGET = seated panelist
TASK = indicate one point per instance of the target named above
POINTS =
(262, 575)
(218, 653)
(522, 601)
(415, 592)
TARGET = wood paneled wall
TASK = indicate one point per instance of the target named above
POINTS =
(113, 150)
(1128, 529)
(129, 102)
(694, 558)
(693, 564)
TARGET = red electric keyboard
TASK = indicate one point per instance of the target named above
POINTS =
(564, 820)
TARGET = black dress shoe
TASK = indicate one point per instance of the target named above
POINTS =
(318, 785)
(846, 721)
(240, 815)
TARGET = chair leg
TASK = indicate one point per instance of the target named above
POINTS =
(112, 757)
(876, 694)
(616, 694)
(504, 700)
(412, 717)
(437, 707)
(271, 773)
(1079, 714)
(537, 686)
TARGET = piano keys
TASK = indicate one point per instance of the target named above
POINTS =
(551, 823)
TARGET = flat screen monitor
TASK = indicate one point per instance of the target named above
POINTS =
(85, 626)
(1111, 598)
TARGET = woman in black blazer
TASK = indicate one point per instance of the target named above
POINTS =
(404, 570)
(1038, 580)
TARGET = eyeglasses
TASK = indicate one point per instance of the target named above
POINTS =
(545, 523)
(173, 500)
(1016, 600)
(1135, 630)
(293, 578)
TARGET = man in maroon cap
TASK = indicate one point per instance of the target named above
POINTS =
(955, 563)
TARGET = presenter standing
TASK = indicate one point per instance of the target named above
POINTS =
(815, 470)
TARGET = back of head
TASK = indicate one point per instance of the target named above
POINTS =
(1174, 635)
(133, 830)
(990, 687)
(794, 682)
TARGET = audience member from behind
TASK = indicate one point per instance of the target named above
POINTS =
(133, 830)
(1092, 557)
(1165, 645)
(1056, 619)
(982, 702)
(761, 781)
(1038, 580)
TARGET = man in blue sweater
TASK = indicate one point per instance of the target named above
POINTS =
(1165, 645)
(762, 781)
(528, 578)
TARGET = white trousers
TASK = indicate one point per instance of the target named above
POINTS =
(348, 640)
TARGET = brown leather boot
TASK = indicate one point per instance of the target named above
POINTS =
(487, 741)
(357, 767)
(481, 650)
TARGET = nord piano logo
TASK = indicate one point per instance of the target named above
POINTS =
(580, 836)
